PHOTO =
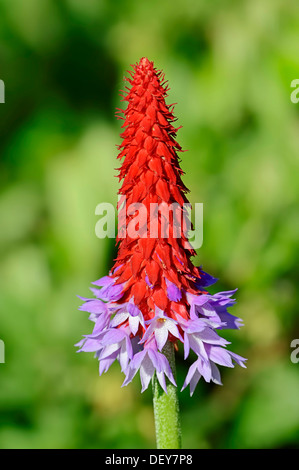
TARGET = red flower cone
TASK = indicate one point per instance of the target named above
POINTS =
(151, 174)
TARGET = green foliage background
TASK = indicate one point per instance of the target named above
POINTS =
(229, 65)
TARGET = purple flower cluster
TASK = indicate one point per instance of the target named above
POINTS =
(121, 333)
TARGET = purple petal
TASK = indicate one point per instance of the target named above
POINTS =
(106, 363)
(216, 378)
(155, 357)
(124, 356)
(231, 322)
(96, 292)
(220, 356)
(112, 292)
(91, 345)
(146, 372)
(148, 332)
(173, 292)
(161, 335)
(198, 347)
(210, 336)
(94, 306)
(119, 319)
(239, 359)
(166, 369)
(186, 346)
(80, 343)
(109, 350)
(130, 375)
(204, 368)
(192, 378)
(194, 382)
(113, 336)
(162, 381)
(101, 323)
(173, 329)
(104, 281)
(205, 280)
(132, 309)
(134, 324)
(137, 359)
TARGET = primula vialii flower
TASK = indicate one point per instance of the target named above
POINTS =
(153, 293)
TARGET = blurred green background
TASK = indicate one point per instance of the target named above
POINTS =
(229, 66)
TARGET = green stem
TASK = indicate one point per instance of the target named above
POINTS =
(166, 408)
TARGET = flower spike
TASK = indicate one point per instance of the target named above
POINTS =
(153, 293)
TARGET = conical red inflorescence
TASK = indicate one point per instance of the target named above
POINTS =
(151, 174)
